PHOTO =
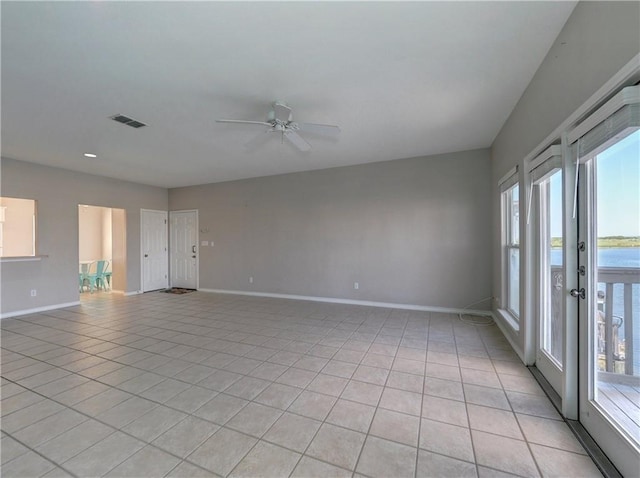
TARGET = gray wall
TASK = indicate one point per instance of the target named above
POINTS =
(412, 231)
(598, 39)
(58, 193)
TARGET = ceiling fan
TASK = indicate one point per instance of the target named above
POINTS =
(280, 120)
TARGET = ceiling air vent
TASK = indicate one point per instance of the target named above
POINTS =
(128, 121)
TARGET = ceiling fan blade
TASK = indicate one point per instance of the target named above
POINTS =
(297, 140)
(264, 123)
(282, 112)
(322, 129)
(258, 141)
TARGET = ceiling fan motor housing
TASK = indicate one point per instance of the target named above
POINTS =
(277, 110)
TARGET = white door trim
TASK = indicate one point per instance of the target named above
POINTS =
(598, 421)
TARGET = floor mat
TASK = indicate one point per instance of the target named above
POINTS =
(178, 290)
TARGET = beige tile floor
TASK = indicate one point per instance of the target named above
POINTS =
(206, 385)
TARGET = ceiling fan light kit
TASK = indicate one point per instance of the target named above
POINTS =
(280, 120)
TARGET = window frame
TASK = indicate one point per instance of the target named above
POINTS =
(510, 202)
(34, 232)
(506, 186)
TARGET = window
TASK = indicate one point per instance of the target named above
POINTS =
(511, 244)
(17, 227)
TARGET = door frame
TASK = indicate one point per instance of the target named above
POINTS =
(574, 348)
(537, 231)
(142, 212)
(119, 251)
(197, 245)
(563, 381)
(597, 421)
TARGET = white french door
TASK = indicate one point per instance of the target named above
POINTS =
(609, 285)
(550, 286)
(153, 245)
(184, 248)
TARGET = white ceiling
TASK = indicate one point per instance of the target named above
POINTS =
(400, 79)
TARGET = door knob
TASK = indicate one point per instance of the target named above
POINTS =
(146, 255)
(577, 293)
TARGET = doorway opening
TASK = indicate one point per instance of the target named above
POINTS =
(102, 254)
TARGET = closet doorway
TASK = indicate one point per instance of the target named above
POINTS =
(102, 254)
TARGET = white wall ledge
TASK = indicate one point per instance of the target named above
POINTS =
(509, 319)
(23, 258)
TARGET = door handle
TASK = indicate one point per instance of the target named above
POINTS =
(146, 255)
(577, 293)
(193, 249)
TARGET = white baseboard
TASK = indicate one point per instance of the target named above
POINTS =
(388, 305)
(35, 310)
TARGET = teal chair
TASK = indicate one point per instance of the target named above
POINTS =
(83, 276)
(108, 273)
(95, 275)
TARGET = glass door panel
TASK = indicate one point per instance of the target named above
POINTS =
(550, 277)
(552, 332)
(610, 312)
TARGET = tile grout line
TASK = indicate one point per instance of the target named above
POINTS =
(415, 470)
(37, 453)
(395, 356)
(466, 408)
(322, 422)
(535, 462)
(139, 395)
(244, 375)
(115, 430)
(196, 416)
(90, 417)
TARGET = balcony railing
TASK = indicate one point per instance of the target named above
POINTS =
(618, 353)
(618, 349)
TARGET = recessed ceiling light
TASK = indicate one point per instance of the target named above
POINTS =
(90, 155)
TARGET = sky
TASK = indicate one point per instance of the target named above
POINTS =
(618, 195)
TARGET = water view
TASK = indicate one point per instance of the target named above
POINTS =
(616, 257)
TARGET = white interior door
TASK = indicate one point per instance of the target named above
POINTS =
(609, 295)
(184, 249)
(154, 236)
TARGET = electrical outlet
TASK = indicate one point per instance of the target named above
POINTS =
(356, 285)
(34, 292)
(251, 280)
